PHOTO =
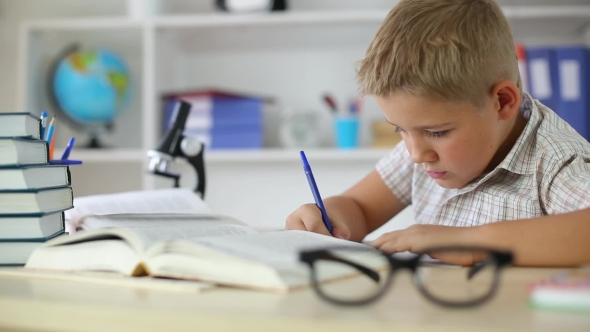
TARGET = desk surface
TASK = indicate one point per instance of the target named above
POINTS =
(54, 305)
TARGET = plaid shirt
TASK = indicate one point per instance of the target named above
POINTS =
(546, 172)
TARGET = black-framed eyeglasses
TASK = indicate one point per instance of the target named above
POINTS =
(472, 282)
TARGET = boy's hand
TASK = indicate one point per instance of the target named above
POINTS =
(418, 238)
(308, 217)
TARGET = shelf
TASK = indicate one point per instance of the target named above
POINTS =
(274, 19)
(286, 18)
(282, 155)
(247, 156)
(348, 17)
(106, 155)
(540, 12)
(90, 23)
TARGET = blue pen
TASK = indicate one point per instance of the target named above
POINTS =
(352, 107)
(68, 149)
(65, 162)
(315, 192)
(43, 123)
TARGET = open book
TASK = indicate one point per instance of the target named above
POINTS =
(137, 208)
(192, 243)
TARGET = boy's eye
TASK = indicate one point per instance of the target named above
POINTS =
(437, 134)
(398, 129)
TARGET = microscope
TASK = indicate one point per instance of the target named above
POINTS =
(175, 144)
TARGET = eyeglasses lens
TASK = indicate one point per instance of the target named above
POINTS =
(456, 283)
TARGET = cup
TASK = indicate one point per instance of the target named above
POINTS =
(346, 130)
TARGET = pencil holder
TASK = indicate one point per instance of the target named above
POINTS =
(346, 130)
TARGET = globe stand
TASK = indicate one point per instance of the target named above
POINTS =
(94, 143)
(95, 132)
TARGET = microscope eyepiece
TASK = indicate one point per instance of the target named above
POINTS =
(170, 144)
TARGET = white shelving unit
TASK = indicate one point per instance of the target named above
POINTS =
(294, 56)
(513, 13)
(246, 156)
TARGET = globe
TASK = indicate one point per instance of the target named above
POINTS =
(90, 87)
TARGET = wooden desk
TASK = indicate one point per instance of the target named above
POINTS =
(52, 305)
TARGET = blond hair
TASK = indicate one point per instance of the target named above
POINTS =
(453, 50)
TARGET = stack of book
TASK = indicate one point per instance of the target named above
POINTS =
(221, 120)
(33, 193)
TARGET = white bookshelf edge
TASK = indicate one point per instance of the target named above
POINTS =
(219, 156)
(287, 18)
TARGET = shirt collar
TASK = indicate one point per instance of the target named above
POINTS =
(520, 159)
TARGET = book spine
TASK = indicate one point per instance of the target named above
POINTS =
(46, 152)
(36, 240)
(68, 176)
(63, 220)
(40, 130)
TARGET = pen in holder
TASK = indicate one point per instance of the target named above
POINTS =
(346, 129)
(346, 125)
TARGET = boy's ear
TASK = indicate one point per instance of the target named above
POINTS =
(506, 99)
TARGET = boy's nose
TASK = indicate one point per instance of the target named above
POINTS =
(420, 152)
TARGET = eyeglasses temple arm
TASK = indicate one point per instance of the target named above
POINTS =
(368, 272)
(474, 269)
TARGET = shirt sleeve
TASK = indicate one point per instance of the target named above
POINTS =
(396, 170)
(570, 188)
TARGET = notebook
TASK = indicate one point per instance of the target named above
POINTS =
(16, 252)
(16, 227)
(20, 151)
(35, 201)
(20, 125)
(563, 291)
(34, 177)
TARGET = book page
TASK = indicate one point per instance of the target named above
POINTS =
(273, 248)
(186, 231)
(143, 236)
(162, 201)
(278, 251)
(153, 220)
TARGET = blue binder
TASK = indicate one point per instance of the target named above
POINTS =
(574, 102)
(225, 122)
(543, 76)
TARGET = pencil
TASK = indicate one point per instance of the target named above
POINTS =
(49, 131)
(51, 148)
(51, 138)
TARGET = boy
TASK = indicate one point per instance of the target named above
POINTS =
(476, 150)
